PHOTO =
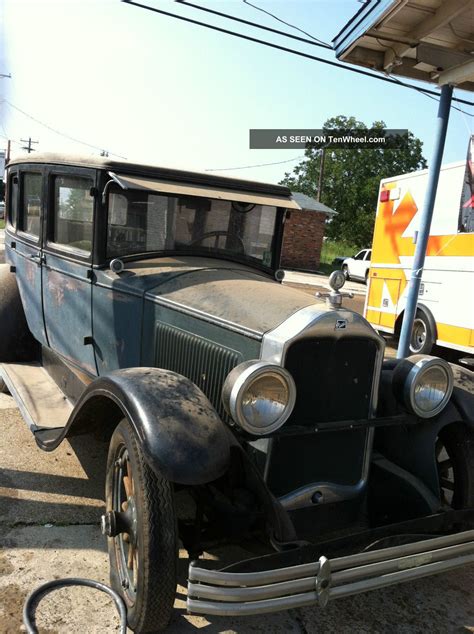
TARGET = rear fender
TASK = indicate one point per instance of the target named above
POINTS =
(179, 431)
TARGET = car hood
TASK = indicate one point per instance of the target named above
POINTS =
(221, 291)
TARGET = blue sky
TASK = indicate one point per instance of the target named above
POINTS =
(153, 89)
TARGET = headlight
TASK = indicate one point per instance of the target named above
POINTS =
(259, 396)
(424, 384)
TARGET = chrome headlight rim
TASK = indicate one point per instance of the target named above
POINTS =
(409, 375)
(240, 380)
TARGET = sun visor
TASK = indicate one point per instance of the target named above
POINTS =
(183, 189)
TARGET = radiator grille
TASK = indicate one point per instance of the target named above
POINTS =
(205, 363)
(333, 379)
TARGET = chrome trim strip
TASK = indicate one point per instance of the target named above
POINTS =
(227, 593)
(296, 586)
(222, 578)
(195, 606)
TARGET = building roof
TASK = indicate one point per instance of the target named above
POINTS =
(429, 40)
(311, 204)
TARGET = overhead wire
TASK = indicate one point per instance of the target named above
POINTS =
(313, 41)
(244, 167)
(59, 132)
(287, 50)
(292, 26)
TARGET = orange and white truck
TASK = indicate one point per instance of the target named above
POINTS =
(445, 313)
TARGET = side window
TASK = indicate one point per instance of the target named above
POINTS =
(73, 212)
(32, 196)
(360, 255)
(12, 200)
(369, 255)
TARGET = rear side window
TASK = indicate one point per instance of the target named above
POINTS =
(31, 204)
(73, 212)
(13, 201)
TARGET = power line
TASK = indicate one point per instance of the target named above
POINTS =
(434, 98)
(292, 26)
(313, 41)
(67, 136)
(358, 71)
(244, 167)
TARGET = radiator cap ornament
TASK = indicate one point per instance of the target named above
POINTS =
(336, 281)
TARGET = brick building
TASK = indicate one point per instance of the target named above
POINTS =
(303, 235)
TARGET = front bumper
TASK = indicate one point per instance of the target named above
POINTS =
(238, 593)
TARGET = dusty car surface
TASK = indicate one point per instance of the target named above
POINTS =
(145, 305)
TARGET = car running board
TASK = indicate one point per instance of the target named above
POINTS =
(44, 407)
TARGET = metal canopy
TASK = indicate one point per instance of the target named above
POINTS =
(428, 40)
(188, 189)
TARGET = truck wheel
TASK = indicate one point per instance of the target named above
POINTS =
(455, 462)
(141, 526)
(422, 336)
(345, 270)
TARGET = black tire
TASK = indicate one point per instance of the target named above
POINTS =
(148, 585)
(422, 337)
(16, 341)
(345, 270)
(455, 461)
(366, 277)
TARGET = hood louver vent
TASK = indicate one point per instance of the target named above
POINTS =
(205, 363)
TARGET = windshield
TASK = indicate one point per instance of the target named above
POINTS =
(144, 222)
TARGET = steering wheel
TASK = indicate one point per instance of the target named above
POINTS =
(217, 235)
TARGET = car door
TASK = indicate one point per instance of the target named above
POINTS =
(67, 267)
(25, 246)
(356, 267)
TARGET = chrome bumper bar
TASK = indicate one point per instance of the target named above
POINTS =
(232, 593)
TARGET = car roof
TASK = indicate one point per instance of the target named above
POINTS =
(152, 171)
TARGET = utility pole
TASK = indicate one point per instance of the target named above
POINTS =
(425, 222)
(321, 174)
(28, 147)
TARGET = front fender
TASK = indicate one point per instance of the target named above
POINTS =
(179, 431)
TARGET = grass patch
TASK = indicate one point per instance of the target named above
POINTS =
(334, 249)
(2, 224)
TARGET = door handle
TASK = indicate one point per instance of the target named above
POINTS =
(38, 258)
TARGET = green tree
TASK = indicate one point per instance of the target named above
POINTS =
(351, 179)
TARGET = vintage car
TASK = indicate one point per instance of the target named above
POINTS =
(145, 306)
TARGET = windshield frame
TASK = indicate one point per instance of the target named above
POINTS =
(204, 252)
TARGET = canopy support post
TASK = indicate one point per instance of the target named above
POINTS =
(425, 222)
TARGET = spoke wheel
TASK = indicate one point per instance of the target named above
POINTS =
(140, 523)
(454, 452)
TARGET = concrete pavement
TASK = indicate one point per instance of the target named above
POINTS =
(320, 280)
(49, 512)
